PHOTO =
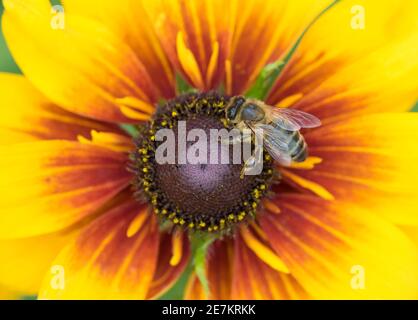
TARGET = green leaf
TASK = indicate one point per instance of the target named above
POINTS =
(7, 64)
(130, 129)
(269, 74)
(182, 86)
(265, 80)
(415, 107)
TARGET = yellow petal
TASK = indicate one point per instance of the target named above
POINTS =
(370, 161)
(166, 274)
(342, 69)
(411, 232)
(263, 32)
(103, 263)
(8, 294)
(188, 62)
(130, 21)
(336, 250)
(112, 141)
(194, 289)
(26, 115)
(82, 61)
(194, 36)
(263, 252)
(48, 185)
(254, 279)
(219, 272)
(234, 271)
(25, 261)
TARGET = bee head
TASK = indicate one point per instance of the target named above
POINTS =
(234, 107)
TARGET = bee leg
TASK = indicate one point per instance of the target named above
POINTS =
(234, 140)
(242, 137)
(248, 165)
(254, 164)
(234, 137)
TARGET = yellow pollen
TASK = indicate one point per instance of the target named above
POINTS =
(263, 252)
(176, 249)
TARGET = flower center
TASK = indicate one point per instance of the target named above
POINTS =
(196, 190)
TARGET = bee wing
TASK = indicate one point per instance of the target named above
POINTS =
(292, 119)
(276, 143)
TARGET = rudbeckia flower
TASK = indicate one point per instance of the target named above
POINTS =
(85, 213)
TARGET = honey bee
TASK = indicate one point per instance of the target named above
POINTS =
(280, 127)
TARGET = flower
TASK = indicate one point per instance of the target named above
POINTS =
(66, 199)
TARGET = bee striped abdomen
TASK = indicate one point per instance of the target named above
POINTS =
(298, 148)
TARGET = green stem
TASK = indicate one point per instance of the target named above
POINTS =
(200, 247)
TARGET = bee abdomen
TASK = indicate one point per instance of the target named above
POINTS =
(298, 148)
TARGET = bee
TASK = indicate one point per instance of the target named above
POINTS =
(280, 127)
